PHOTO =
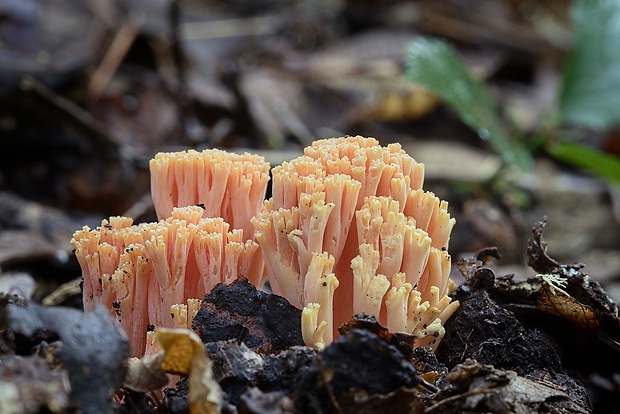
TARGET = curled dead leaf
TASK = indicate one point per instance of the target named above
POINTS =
(483, 387)
(184, 354)
(180, 349)
(555, 301)
(146, 374)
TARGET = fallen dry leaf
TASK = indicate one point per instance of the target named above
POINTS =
(184, 354)
(556, 301)
(485, 388)
(145, 374)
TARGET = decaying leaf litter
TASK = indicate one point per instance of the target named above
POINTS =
(219, 100)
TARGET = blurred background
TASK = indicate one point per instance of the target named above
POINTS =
(513, 105)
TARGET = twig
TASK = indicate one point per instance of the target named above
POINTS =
(64, 291)
(176, 50)
(251, 26)
(473, 27)
(453, 398)
(465, 341)
(82, 119)
(330, 393)
(292, 121)
(175, 41)
(113, 57)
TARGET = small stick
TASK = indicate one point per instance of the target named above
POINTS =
(330, 392)
(453, 398)
(81, 118)
(113, 58)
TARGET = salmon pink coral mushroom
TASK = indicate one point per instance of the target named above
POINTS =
(143, 272)
(228, 185)
(347, 230)
(352, 215)
(147, 273)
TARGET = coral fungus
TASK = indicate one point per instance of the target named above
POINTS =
(350, 230)
(146, 273)
(347, 230)
(228, 185)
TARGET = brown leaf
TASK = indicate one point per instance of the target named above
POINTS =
(184, 354)
(484, 388)
(556, 301)
(146, 374)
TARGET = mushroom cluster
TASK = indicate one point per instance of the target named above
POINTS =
(348, 230)
(227, 185)
(151, 274)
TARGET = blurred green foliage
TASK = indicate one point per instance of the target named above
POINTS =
(433, 64)
(590, 94)
(589, 98)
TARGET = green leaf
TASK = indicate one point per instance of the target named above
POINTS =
(604, 165)
(591, 90)
(434, 65)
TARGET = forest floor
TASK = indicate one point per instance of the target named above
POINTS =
(90, 91)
